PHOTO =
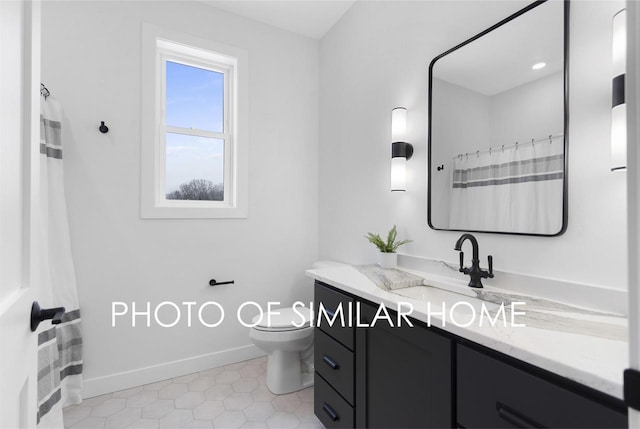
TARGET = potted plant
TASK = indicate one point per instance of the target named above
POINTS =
(388, 255)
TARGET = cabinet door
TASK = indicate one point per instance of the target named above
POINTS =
(331, 408)
(495, 394)
(403, 375)
(335, 363)
(339, 305)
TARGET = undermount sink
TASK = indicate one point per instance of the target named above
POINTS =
(437, 297)
(457, 299)
(538, 313)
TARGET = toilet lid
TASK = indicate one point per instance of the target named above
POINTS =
(285, 319)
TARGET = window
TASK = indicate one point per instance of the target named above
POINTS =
(193, 155)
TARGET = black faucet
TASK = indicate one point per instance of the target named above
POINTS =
(474, 272)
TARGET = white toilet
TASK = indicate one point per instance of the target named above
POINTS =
(289, 348)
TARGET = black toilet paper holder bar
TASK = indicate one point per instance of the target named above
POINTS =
(213, 282)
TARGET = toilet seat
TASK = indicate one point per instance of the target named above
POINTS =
(284, 321)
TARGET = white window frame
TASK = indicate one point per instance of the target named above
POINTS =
(158, 47)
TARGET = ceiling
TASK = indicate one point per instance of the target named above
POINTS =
(310, 18)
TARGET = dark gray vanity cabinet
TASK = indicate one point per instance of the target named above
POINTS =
(381, 376)
(495, 393)
(399, 376)
(403, 375)
(334, 359)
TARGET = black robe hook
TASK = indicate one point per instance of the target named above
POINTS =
(103, 128)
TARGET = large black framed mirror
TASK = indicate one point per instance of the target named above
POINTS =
(498, 127)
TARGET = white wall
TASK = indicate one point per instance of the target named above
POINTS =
(376, 58)
(455, 106)
(530, 111)
(91, 64)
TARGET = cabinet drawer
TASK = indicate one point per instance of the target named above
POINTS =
(329, 407)
(334, 363)
(495, 394)
(335, 302)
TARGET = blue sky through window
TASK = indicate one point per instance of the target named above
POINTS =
(194, 100)
(194, 97)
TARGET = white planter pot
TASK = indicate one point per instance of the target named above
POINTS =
(388, 260)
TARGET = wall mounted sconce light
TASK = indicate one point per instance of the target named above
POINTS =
(618, 105)
(401, 151)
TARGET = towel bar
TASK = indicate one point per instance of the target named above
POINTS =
(213, 282)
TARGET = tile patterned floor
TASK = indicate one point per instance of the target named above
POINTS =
(234, 396)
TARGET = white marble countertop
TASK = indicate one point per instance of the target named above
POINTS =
(586, 346)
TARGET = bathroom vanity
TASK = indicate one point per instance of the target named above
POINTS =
(359, 371)
(424, 377)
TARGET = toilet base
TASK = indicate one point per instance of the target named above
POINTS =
(284, 374)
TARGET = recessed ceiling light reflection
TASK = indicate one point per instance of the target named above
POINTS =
(538, 66)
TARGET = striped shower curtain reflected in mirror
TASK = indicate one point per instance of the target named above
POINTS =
(59, 346)
(515, 189)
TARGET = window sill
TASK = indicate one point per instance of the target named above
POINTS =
(194, 213)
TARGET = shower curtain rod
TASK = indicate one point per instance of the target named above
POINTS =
(549, 139)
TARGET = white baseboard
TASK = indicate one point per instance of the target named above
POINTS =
(151, 374)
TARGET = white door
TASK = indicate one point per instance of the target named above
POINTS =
(633, 190)
(19, 153)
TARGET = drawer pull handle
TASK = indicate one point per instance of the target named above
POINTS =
(516, 418)
(330, 362)
(332, 414)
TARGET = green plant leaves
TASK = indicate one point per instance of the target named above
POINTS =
(377, 241)
(391, 245)
(391, 237)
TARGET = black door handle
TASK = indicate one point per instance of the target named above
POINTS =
(40, 314)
